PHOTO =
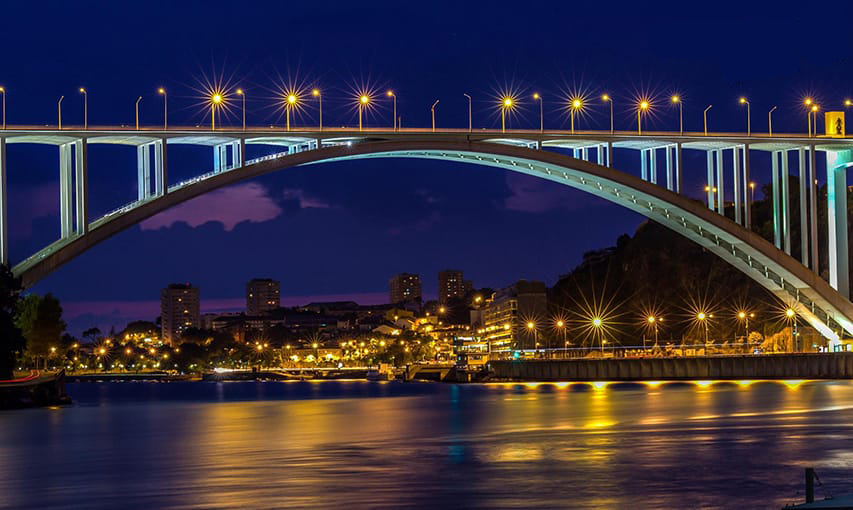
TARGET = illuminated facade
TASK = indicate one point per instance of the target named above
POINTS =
(404, 287)
(451, 284)
(179, 311)
(262, 295)
(506, 315)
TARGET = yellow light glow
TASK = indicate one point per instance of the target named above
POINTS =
(507, 102)
(675, 99)
(530, 325)
(701, 316)
(364, 99)
(82, 90)
(605, 97)
(536, 95)
(291, 98)
(644, 105)
(239, 92)
(847, 102)
(216, 98)
(741, 315)
(789, 313)
(315, 92)
(596, 322)
(314, 345)
(651, 319)
(815, 108)
(560, 324)
(743, 100)
(161, 90)
(102, 350)
(2, 89)
(577, 104)
(390, 93)
(808, 101)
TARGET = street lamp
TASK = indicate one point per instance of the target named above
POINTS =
(677, 100)
(606, 98)
(808, 102)
(531, 326)
(705, 116)
(752, 192)
(85, 108)
(137, 112)
(432, 111)
(703, 319)
(242, 95)
(743, 100)
(59, 108)
(791, 316)
(470, 117)
(770, 121)
(653, 322)
(289, 102)
(576, 105)
(3, 92)
(847, 102)
(162, 92)
(561, 325)
(363, 101)
(215, 101)
(392, 95)
(814, 109)
(316, 93)
(597, 323)
(538, 97)
(642, 107)
(506, 104)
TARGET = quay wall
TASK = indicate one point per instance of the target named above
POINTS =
(773, 366)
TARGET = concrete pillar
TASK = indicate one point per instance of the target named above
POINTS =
(164, 166)
(644, 170)
(786, 204)
(81, 183)
(836, 204)
(737, 184)
(610, 154)
(669, 182)
(158, 168)
(66, 191)
(710, 180)
(576, 153)
(4, 223)
(217, 159)
(774, 185)
(242, 158)
(747, 191)
(813, 208)
(142, 168)
(721, 189)
(804, 223)
(653, 165)
(600, 155)
(584, 154)
(679, 172)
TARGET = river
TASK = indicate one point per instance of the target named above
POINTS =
(357, 444)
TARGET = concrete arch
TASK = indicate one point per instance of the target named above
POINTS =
(813, 298)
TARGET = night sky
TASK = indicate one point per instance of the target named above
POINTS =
(341, 230)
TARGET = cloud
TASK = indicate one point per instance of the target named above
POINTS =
(304, 200)
(229, 206)
(535, 195)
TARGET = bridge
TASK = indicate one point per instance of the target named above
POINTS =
(581, 160)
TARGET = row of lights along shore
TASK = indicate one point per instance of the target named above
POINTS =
(218, 99)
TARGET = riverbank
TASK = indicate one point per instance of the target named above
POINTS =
(34, 390)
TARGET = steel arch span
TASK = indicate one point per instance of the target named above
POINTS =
(812, 297)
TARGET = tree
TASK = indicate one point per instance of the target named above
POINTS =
(40, 320)
(12, 341)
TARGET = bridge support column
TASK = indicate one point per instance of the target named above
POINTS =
(159, 182)
(609, 154)
(81, 183)
(804, 223)
(669, 182)
(600, 155)
(774, 186)
(836, 204)
(644, 168)
(236, 157)
(66, 192)
(786, 204)
(679, 172)
(164, 165)
(584, 154)
(242, 148)
(710, 179)
(4, 236)
(736, 182)
(747, 190)
(143, 172)
(653, 165)
(813, 207)
(721, 189)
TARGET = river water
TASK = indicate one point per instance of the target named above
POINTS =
(356, 444)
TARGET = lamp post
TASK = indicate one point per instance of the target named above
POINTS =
(470, 117)
(392, 95)
(606, 98)
(215, 100)
(538, 97)
(677, 100)
(162, 92)
(289, 103)
(703, 319)
(85, 108)
(363, 101)
(316, 93)
(597, 323)
(770, 121)
(242, 95)
(576, 105)
(653, 321)
(641, 108)
(432, 110)
(705, 116)
(59, 108)
(847, 102)
(3, 92)
(815, 108)
(505, 105)
(561, 325)
(808, 102)
(137, 112)
(531, 326)
(743, 100)
(791, 316)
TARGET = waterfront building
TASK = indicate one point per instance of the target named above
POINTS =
(179, 311)
(451, 284)
(262, 295)
(404, 288)
(508, 315)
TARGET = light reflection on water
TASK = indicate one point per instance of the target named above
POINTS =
(393, 445)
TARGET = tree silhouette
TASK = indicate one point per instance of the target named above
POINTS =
(12, 341)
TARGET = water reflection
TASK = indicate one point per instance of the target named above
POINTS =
(369, 445)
